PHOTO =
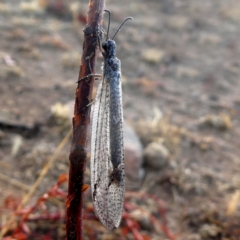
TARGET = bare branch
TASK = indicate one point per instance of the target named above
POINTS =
(81, 120)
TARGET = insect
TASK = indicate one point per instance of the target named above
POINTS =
(107, 148)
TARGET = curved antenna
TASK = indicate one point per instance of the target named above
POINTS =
(109, 18)
(129, 18)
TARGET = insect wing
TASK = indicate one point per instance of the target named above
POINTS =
(100, 156)
(107, 193)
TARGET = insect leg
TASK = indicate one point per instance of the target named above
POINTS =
(97, 76)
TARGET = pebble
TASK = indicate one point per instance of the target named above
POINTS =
(209, 230)
(188, 72)
(133, 158)
(222, 121)
(142, 218)
(177, 23)
(153, 55)
(156, 155)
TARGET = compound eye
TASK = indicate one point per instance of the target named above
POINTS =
(104, 45)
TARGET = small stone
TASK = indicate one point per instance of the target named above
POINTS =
(222, 121)
(156, 155)
(31, 7)
(177, 23)
(60, 110)
(232, 13)
(153, 55)
(209, 230)
(142, 218)
(187, 72)
(4, 8)
(206, 38)
(11, 72)
(193, 236)
(17, 142)
(28, 51)
(60, 116)
(133, 157)
(24, 21)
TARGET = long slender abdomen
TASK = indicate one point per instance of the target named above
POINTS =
(116, 121)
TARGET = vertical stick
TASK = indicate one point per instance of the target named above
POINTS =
(81, 120)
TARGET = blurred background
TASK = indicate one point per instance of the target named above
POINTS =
(180, 73)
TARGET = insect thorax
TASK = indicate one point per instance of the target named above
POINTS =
(109, 48)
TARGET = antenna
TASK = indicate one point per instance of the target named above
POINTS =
(109, 18)
(129, 18)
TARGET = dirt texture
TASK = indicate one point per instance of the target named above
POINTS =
(180, 71)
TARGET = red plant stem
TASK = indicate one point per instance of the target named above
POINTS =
(81, 120)
(134, 230)
(49, 216)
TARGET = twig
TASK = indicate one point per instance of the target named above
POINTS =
(24, 187)
(14, 182)
(81, 119)
(44, 171)
(52, 192)
(134, 230)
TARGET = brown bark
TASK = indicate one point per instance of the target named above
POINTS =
(81, 120)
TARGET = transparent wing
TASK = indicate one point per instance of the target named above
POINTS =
(100, 156)
(107, 182)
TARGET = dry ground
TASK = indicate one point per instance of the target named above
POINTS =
(181, 69)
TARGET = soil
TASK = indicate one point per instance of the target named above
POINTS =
(181, 68)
